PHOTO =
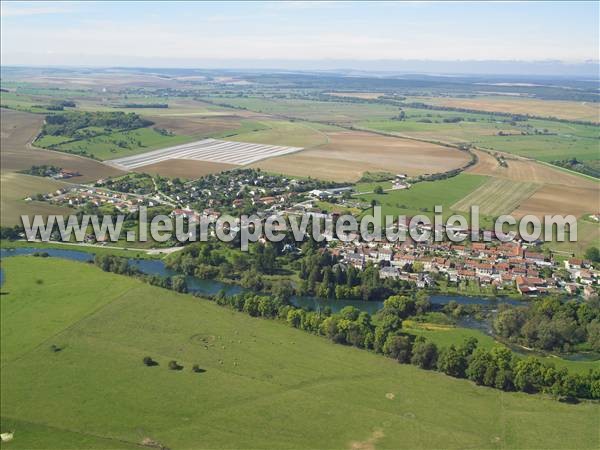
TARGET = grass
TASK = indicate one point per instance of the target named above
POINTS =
(497, 196)
(272, 132)
(265, 384)
(123, 252)
(16, 187)
(444, 336)
(422, 197)
(120, 144)
(333, 112)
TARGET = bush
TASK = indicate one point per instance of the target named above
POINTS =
(148, 361)
(174, 366)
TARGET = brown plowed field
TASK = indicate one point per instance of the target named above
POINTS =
(350, 153)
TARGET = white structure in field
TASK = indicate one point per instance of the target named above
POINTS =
(213, 150)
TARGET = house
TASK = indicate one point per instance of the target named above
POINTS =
(389, 272)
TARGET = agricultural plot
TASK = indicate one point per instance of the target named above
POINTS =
(16, 187)
(257, 373)
(19, 129)
(423, 197)
(350, 153)
(213, 150)
(497, 196)
(331, 112)
(570, 110)
(184, 168)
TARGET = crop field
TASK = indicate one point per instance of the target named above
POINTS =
(570, 110)
(364, 95)
(520, 169)
(19, 129)
(331, 112)
(544, 148)
(16, 187)
(350, 153)
(556, 199)
(264, 384)
(559, 192)
(422, 197)
(185, 168)
(211, 150)
(497, 196)
(275, 132)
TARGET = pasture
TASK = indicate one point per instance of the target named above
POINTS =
(122, 143)
(212, 150)
(569, 110)
(264, 384)
(350, 153)
(422, 197)
(497, 196)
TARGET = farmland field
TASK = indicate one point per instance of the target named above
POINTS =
(19, 129)
(184, 168)
(212, 150)
(422, 197)
(497, 196)
(265, 384)
(16, 187)
(330, 112)
(570, 110)
(350, 153)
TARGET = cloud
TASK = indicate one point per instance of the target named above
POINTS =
(14, 9)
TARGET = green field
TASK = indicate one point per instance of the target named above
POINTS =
(444, 336)
(568, 140)
(497, 196)
(266, 385)
(331, 112)
(120, 144)
(422, 197)
(274, 132)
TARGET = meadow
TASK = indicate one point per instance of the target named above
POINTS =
(120, 144)
(265, 384)
(422, 197)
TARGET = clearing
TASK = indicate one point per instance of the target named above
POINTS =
(258, 373)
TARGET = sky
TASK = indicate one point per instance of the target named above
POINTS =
(186, 34)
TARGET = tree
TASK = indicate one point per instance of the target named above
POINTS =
(529, 375)
(178, 283)
(424, 354)
(378, 190)
(452, 362)
(148, 361)
(294, 317)
(398, 347)
(593, 254)
(174, 366)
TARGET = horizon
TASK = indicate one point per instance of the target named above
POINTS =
(543, 38)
